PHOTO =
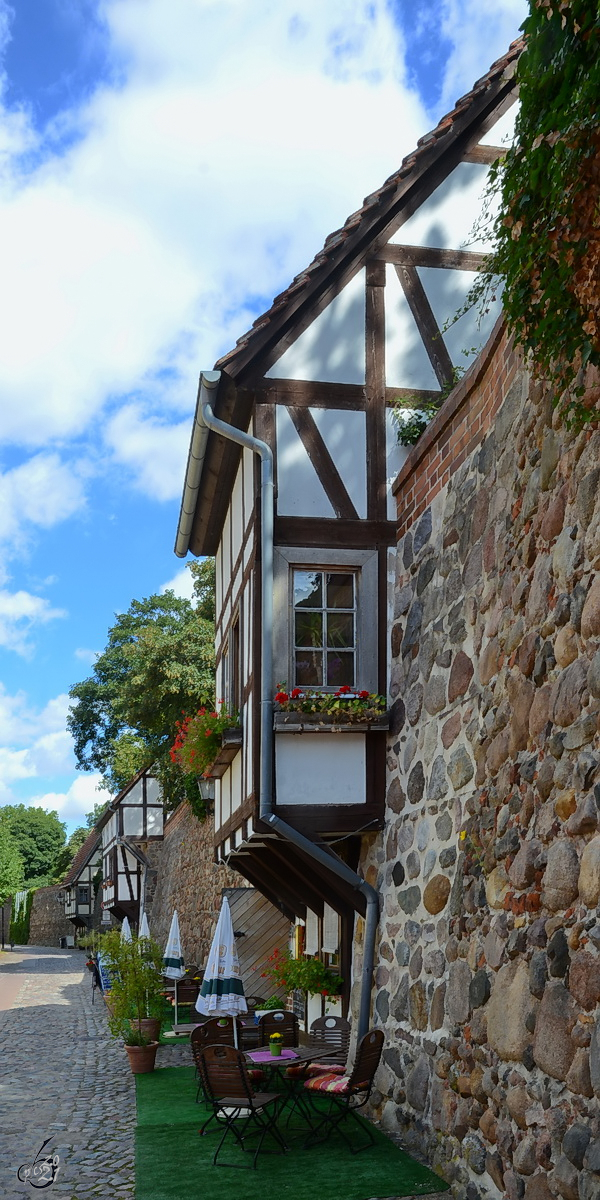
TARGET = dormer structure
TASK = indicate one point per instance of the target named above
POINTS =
(316, 379)
(131, 821)
(81, 883)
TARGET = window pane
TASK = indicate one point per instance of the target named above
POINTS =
(340, 629)
(308, 590)
(340, 591)
(340, 668)
(309, 668)
(309, 629)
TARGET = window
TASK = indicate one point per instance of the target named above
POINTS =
(325, 618)
(324, 628)
(83, 895)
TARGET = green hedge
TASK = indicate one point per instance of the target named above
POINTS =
(19, 930)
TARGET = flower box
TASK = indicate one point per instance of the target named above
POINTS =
(316, 722)
(231, 740)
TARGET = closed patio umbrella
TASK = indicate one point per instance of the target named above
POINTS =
(144, 927)
(125, 930)
(174, 966)
(222, 991)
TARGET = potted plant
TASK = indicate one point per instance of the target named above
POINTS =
(276, 1044)
(200, 738)
(346, 706)
(274, 1002)
(307, 974)
(136, 1000)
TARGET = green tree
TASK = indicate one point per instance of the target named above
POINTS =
(158, 664)
(65, 857)
(38, 835)
(11, 864)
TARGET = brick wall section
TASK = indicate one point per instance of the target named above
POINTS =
(189, 880)
(459, 427)
(48, 922)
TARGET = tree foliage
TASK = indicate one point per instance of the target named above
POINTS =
(158, 664)
(11, 865)
(39, 837)
(547, 233)
(65, 856)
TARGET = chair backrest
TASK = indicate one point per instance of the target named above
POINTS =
(366, 1062)
(333, 1031)
(285, 1023)
(223, 1074)
(216, 1031)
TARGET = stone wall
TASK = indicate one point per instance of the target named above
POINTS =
(488, 979)
(47, 923)
(189, 880)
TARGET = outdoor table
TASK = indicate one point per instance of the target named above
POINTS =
(290, 1056)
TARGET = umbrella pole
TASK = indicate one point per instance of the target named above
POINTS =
(235, 1033)
(176, 1007)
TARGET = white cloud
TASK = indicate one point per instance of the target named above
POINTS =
(469, 25)
(20, 612)
(154, 452)
(41, 491)
(86, 656)
(79, 798)
(182, 584)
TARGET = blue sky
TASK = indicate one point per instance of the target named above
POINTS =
(166, 167)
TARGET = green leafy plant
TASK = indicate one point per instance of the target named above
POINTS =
(306, 974)
(199, 738)
(346, 703)
(135, 969)
(272, 1003)
(547, 231)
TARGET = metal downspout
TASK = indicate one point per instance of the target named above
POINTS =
(209, 382)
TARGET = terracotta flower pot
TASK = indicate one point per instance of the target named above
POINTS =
(141, 1058)
(150, 1026)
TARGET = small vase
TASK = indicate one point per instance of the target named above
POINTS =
(275, 1049)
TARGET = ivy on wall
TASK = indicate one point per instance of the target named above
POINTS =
(19, 926)
(547, 233)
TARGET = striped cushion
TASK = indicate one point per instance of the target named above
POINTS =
(256, 1075)
(327, 1083)
(307, 1071)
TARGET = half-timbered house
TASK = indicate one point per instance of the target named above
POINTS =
(293, 451)
(80, 886)
(132, 821)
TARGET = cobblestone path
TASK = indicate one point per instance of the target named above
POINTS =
(62, 1076)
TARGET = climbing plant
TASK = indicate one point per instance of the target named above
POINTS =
(547, 231)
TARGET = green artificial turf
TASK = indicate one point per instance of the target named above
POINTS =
(173, 1161)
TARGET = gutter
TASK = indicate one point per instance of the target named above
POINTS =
(204, 420)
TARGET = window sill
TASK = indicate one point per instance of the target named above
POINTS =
(299, 722)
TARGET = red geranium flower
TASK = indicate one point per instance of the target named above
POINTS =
(281, 697)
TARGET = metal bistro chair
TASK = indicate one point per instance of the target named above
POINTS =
(345, 1094)
(246, 1113)
(215, 1031)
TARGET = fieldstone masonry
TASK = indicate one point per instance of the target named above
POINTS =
(489, 866)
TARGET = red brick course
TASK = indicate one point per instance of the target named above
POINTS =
(458, 429)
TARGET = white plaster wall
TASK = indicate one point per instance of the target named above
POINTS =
(332, 349)
(320, 768)
(345, 435)
(299, 491)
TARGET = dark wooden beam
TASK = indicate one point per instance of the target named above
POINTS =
(325, 890)
(269, 880)
(332, 533)
(430, 256)
(306, 393)
(426, 323)
(484, 154)
(375, 387)
(329, 476)
(245, 865)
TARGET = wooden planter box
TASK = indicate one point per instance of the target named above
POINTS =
(301, 722)
(231, 744)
